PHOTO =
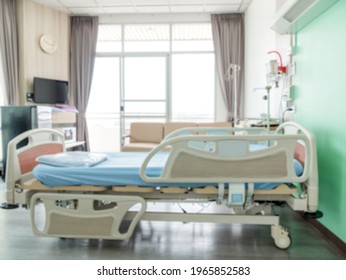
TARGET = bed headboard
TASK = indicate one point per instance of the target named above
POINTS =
(27, 159)
(22, 160)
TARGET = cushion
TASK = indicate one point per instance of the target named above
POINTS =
(146, 132)
(215, 124)
(138, 147)
(172, 126)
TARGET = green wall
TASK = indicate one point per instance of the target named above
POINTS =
(320, 98)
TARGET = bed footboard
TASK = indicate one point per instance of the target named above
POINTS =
(85, 216)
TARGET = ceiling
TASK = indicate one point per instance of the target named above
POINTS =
(107, 7)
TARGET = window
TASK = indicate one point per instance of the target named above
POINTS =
(193, 87)
(103, 113)
(105, 86)
(109, 38)
(144, 87)
(146, 38)
(192, 37)
(150, 72)
(145, 78)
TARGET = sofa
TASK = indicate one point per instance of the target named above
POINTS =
(144, 136)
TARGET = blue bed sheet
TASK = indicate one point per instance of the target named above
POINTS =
(119, 169)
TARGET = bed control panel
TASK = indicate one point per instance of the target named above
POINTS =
(231, 195)
(236, 194)
(233, 148)
(227, 148)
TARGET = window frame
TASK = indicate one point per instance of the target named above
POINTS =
(121, 55)
(168, 53)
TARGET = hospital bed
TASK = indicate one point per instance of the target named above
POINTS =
(240, 172)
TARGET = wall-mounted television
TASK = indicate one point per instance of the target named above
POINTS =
(49, 91)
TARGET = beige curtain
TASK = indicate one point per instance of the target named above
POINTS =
(83, 51)
(228, 37)
(9, 50)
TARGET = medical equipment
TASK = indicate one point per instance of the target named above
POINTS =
(230, 167)
(266, 97)
(275, 70)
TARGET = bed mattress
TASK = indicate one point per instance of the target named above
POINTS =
(119, 169)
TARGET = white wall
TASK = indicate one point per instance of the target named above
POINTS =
(259, 39)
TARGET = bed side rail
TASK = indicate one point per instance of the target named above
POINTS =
(22, 152)
(86, 216)
(228, 158)
(217, 159)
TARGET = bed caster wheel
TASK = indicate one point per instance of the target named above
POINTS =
(313, 215)
(282, 239)
(279, 203)
(283, 242)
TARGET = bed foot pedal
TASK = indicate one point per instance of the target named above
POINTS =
(313, 215)
(8, 206)
(282, 238)
(85, 216)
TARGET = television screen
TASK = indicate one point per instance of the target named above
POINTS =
(48, 91)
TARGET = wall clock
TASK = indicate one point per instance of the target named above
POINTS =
(48, 43)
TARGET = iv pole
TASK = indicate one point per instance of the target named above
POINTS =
(267, 98)
(268, 88)
(232, 73)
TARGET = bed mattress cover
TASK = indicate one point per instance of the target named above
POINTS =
(120, 169)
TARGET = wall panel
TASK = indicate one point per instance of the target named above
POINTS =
(320, 99)
(34, 20)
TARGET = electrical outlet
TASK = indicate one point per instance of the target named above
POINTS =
(292, 69)
(288, 92)
(290, 51)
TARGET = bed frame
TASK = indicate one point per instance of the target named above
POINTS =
(197, 155)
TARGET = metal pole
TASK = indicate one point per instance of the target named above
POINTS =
(232, 74)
